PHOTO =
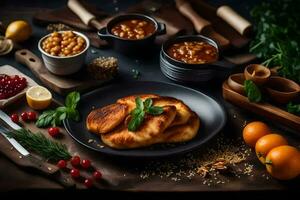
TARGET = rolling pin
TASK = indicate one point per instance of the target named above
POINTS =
(201, 25)
(86, 17)
(236, 21)
(226, 13)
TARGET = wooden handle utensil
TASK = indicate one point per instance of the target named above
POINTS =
(201, 25)
(86, 17)
(235, 20)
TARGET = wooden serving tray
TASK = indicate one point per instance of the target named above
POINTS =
(61, 84)
(267, 110)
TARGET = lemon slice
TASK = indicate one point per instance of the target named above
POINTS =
(38, 97)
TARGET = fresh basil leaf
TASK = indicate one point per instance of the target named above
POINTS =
(61, 109)
(45, 118)
(62, 116)
(155, 110)
(252, 91)
(148, 103)
(73, 114)
(136, 121)
(72, 99)
(135, 111)
(293, 108)
(139, 103)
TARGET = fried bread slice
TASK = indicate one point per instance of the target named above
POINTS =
(105, 119)
(183, 111)
(182, 133)
(148, 133)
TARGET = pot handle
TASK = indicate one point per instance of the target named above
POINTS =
(102, 33)
(161, 30)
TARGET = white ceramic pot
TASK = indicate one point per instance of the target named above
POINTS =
(64, 65)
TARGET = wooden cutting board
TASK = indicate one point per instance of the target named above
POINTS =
(61, 84)
(267, 110)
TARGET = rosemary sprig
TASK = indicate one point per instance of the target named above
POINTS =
(38, 143)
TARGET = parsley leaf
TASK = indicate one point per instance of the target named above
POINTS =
(252, 91)
(293, 108)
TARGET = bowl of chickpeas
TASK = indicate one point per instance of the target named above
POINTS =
(64, 52)
(132, 33)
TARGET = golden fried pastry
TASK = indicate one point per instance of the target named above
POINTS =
(183, 112)
(103, 120)
(147, 133)
(184, 132)
(178, 123)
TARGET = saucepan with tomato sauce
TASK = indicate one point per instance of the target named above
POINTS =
(193, 58)
(132, 33)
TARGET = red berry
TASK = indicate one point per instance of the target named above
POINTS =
(24, 116)
(31, 116)
(75, 173)
(97, 175)
(75, 160)
(62, 164)
(88, 182)
(14, 118)
(85, 163)
(53, 131)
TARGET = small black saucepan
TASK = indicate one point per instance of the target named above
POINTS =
(185, 72)
(131, 46)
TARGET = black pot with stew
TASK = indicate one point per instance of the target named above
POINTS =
(132, 33)
(192, 58)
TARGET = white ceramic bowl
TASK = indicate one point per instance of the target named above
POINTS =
(64, 65)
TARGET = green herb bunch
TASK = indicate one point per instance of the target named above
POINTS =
(55, 117)
(38, 143)
(277, 41)
(138, 114)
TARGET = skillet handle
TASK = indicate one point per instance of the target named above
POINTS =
(161, 30)
(102, 33)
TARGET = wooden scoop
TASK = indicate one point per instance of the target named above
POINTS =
(201, 25)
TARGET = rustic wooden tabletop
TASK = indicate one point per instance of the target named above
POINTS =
(12, 178)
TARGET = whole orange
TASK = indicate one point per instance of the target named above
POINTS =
(253, 131)
(267, 143)
(283, 162)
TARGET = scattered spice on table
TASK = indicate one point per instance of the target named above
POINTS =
(215, 164)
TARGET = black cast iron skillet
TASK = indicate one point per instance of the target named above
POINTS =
(219, 65)
(127, 46)
(212, 117)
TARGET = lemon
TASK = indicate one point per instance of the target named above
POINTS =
(18, 31)
(38, 97)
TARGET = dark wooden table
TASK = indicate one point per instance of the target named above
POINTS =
(12, 178)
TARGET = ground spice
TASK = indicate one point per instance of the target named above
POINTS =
(216, 163)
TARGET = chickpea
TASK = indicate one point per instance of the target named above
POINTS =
(122, 34)
(63, 44)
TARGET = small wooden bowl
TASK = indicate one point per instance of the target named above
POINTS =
(236, 83)
(282, 90)
(259, 74)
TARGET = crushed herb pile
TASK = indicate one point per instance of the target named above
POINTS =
(217, 164)
(277, 39)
